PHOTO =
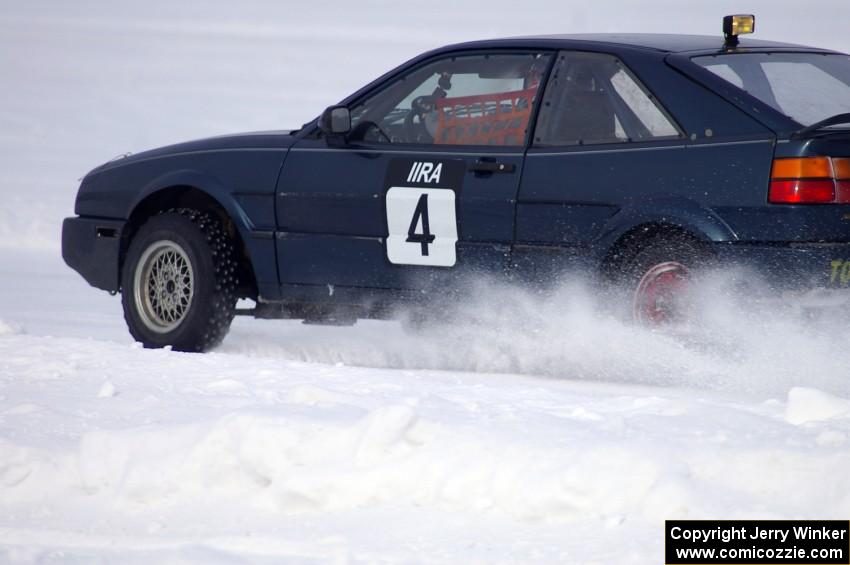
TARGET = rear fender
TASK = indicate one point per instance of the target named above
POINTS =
(673, 211)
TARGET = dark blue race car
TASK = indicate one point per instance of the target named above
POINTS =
(639, 157)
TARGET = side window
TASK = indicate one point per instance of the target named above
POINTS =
(458, 100)
(594, 98)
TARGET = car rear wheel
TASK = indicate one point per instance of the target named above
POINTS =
(179, 281)
(659, 280)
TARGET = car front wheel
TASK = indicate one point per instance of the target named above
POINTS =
(179, 281)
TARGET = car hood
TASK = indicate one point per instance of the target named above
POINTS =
(276, 139)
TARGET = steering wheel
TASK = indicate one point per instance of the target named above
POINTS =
(360, 131)
(415, 131)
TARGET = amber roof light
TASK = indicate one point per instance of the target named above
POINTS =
(736, 25)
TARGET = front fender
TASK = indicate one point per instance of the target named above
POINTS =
(259, 243)
(204, 182)
(240, 180)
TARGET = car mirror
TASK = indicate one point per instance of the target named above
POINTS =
(335, 120)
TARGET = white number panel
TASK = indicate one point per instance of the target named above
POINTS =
(422, 226)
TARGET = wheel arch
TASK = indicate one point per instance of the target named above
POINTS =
(176, 192)
(626, 247)
(658, 218)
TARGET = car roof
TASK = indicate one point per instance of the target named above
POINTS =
(663, 42)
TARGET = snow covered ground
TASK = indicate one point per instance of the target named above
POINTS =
(538, 431)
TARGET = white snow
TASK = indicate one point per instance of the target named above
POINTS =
(526, 428)
(810, 405)
(8, 328)
(247, 454)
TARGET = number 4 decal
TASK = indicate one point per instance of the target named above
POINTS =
(422, 225)
(421, 214)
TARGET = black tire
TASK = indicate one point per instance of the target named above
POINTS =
(658, 276)
(179, 281)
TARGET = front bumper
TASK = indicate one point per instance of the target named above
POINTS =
(92, 246)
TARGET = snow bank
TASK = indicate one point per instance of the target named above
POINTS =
(812, 405)
(318, 460)
(389, 456)
(251, 442)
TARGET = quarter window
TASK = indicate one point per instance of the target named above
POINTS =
(458, 100)
(593, 98)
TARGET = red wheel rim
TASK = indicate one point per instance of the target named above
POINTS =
(658, 297)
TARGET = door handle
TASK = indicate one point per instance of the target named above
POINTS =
(482, 166)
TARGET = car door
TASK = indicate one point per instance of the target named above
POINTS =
(424, 186)
(601, 141)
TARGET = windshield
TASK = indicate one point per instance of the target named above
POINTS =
(807, 87)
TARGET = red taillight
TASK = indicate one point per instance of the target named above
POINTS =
(802, 191)
(842, 192)
(810, 180)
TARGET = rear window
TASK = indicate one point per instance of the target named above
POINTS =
(806, 87)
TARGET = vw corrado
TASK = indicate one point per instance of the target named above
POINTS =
(640, 157)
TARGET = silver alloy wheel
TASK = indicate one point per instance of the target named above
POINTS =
(163, 286)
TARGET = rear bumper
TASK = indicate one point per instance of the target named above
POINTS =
(818, 298)
(791, 267)
(91, 246)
